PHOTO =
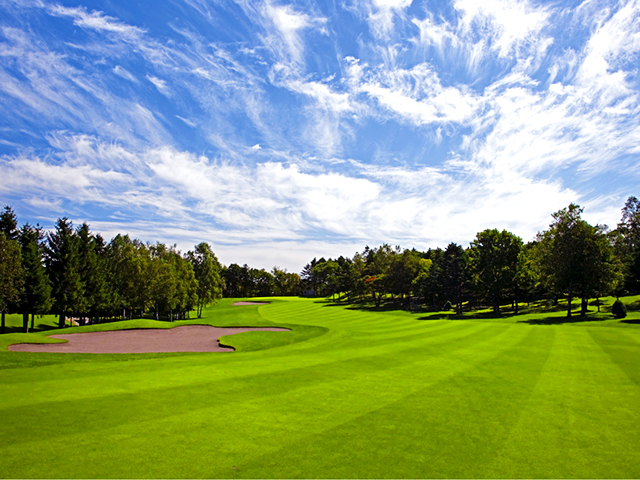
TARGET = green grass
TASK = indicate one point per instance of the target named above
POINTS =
(347, 393)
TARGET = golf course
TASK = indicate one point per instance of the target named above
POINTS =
(346, 393)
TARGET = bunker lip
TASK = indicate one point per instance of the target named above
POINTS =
(239, 304)
(186, 338)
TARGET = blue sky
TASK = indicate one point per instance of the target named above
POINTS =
(280, 131)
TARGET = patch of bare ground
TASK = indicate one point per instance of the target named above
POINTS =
(187, 338)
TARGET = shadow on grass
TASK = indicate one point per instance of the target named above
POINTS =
(39, 328)
(370, 307)
(633, 307)
(563, 320)
(633, 322)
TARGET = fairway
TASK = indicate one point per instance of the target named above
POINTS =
(346, 394)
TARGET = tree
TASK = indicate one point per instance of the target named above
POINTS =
(627, 243)
(326, 276)
(455, 275)
(9, 223)
(36, 297)
(206, 269)
(494, 259)
(574, 257)
(285, 283)
(378, 262)
(61, 260)
(11, 276)
(404, 268)
(422, 279)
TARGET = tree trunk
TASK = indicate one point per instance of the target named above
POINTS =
(2, 326)
(516, 301)
(494, 299)
(33, 321)
(598, 302)
(25, 322)
(124, 314)
(569, 298)
(61, 320)
(583, 310)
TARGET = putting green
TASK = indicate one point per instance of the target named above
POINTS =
(344, 394)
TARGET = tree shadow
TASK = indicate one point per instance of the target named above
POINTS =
(39, 328)
(563, 320)
(632, 322)
(634, 306)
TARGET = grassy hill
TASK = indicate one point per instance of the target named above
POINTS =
(347, 393)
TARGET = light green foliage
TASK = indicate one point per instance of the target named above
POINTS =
(359, 395)
(206, 269)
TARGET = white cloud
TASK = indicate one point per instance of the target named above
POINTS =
(124, 73)
(288, 24)
(191, 123)
(160, 84)
(97, 20)
(418, 96)
(508, 23)
(382, 13)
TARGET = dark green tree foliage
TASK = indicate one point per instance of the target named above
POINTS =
(403, 269)
(206, 268)
(174, 285)
(233, 281)
(628, 244)
(62, 264)
(326, 277)
(11, 276)
(261, 283)
(421, 281)
(527, 283)
(91, 273)
(378, 262)
(455, 276)
(123, 273)
(9, 223)
(618, 309)
(285, 283)
(574, 257)
(36, 297)
(309, 277)
(494, 259)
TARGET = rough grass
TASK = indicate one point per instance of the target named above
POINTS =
(351, 393)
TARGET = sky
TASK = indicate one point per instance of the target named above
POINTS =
(281, 131)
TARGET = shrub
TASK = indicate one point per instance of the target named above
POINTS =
(618, 309)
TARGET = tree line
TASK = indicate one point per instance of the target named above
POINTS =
(75, 273)
(571, 259)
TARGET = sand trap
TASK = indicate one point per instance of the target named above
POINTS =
(237, 304)
(187, 338)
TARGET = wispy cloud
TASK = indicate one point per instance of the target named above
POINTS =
(97, 20)
(124, 73)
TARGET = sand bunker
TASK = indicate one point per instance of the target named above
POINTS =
(237, 304)
(187, 338)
